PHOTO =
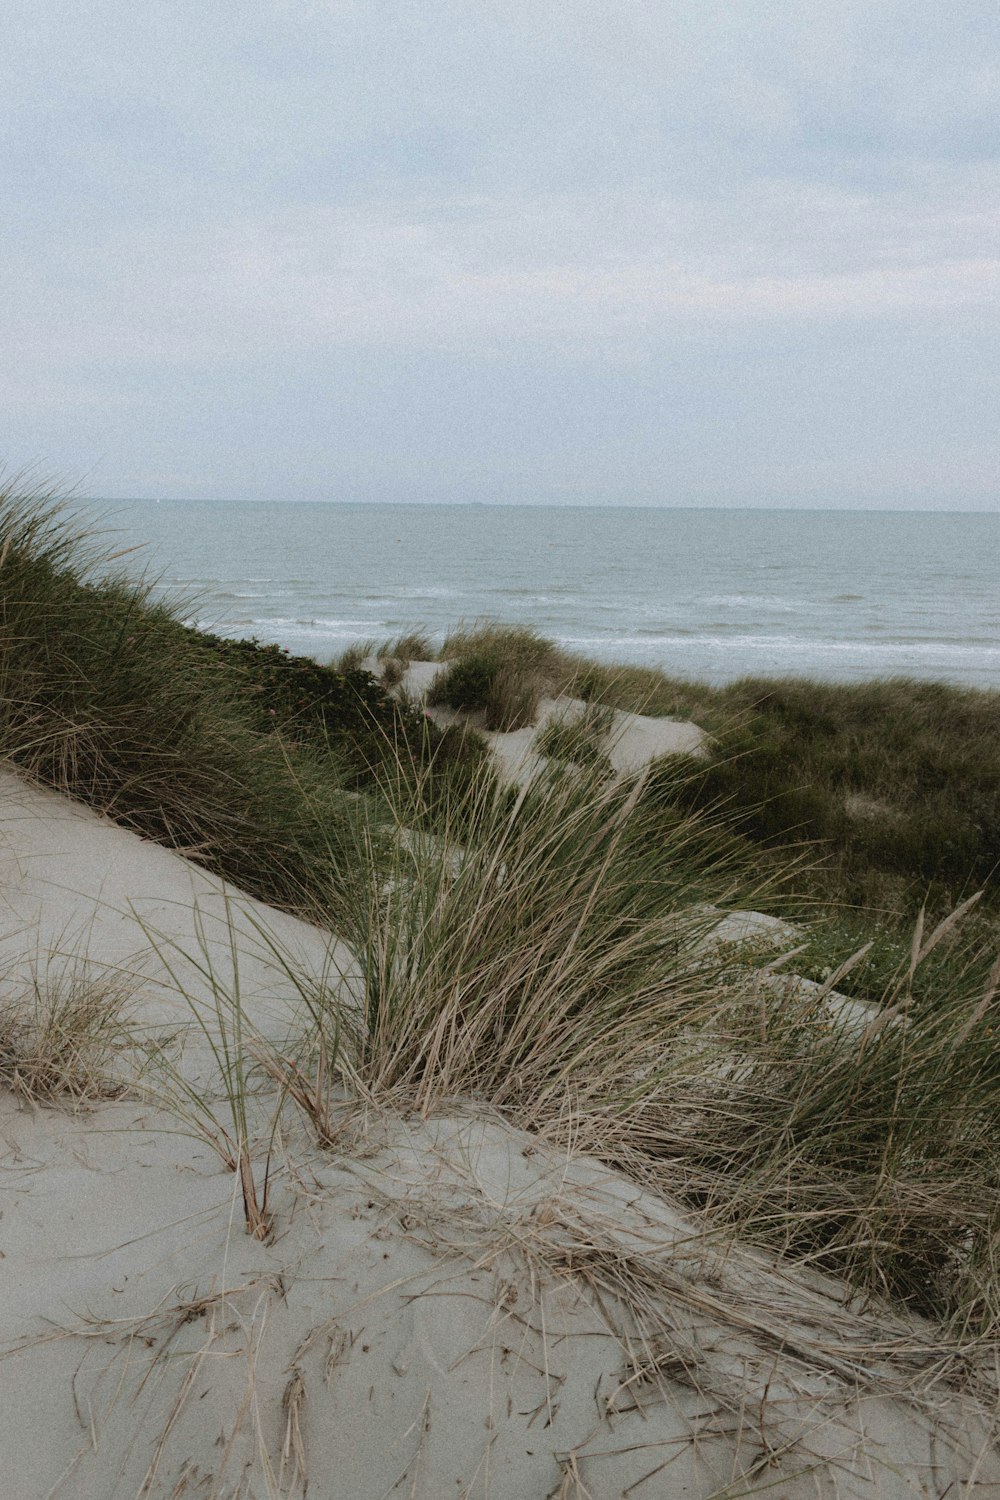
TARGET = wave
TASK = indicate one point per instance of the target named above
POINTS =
(756, 601)
(783, 643)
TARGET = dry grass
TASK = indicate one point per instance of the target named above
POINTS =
(61, 1033)
(414, 645)
(532, 948)
(352, 656)
(875, 1155)
(540, 954)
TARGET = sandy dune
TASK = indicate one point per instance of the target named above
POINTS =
(632, 741)
(446, 1307)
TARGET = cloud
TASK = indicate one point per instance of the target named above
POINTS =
(209, 197)
(499, 275)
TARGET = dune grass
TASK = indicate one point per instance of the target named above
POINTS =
(528, 944)
(871, 1153)
(61, 1030)
(896, 779)
(885, 791)
(892, 783)
(539, 952)
(232, 753)
(500, 671)
(544, 957)
(581, 738)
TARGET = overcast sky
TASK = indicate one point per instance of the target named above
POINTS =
(582, 251)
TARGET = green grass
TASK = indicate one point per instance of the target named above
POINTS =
(892, 783)
(581, 739)
(875, 1155)
(538, 951)
(895, 780)
(230, 752)
(500, 671)
(885, 793)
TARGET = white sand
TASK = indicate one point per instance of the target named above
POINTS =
(80, 895)
(440, 1311)
(632, 742)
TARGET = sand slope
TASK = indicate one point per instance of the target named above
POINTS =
(448, 1307)
(81, 896)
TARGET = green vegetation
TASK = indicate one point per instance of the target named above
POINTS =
(340, 711)
(544, 952)
(580, 739)
(896, 779)
(892, 785)
(233, 753)
(499, 671)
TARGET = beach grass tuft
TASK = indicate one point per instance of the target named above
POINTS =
(61, 1030)
(500, 671)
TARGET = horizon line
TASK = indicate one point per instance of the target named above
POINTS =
(859, 508)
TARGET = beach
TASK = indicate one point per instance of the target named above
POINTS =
(509, 1318)
(440, 1073)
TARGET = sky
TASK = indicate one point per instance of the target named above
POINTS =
(648, 252)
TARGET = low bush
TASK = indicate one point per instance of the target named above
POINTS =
(501, 671)
(342, 709)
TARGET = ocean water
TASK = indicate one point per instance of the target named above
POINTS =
(707, 594)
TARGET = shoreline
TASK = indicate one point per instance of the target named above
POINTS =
(705, 594)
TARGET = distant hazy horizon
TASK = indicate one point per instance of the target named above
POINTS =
(818, 508)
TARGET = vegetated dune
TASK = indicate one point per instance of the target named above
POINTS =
(430, 1306)
(627, 740)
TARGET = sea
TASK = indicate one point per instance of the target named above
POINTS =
(707, 594)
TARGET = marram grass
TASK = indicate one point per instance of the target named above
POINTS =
(106, 696)
(540, 953)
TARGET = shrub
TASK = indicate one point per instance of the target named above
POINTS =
(501, 671)
(465, 685)
(345, 710)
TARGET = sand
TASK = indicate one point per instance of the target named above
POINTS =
(447, 1307)
(632, 741)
